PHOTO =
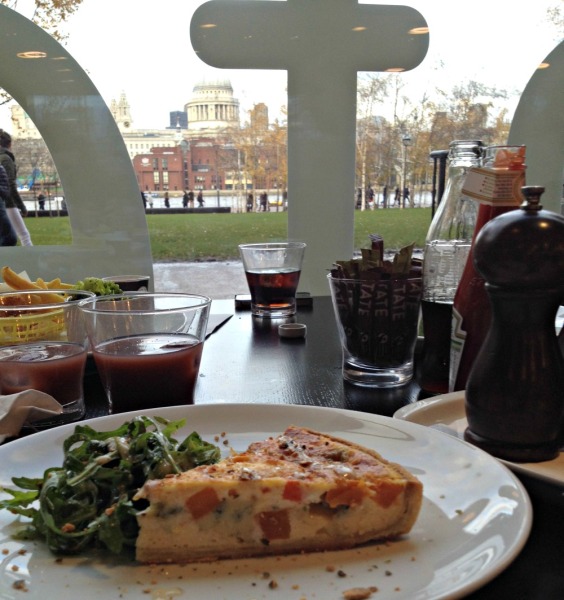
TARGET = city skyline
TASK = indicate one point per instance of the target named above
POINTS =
(130, 47)
(459, 50)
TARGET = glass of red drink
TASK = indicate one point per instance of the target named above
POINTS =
(43, 346)
(273, 273)
(147, 346)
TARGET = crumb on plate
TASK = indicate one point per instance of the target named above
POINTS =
(359, 593)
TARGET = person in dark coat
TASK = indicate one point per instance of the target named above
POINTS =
(4, 183)
(200, 199)
(370, 196)
(15, 207)
(7, 234)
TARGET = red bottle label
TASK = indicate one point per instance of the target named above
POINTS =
(498, 191)
(494, 187)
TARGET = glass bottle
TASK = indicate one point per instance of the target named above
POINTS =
(514, 401)
(446, 249)
(496, 186)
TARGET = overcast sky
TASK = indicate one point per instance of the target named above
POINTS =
(123, 45)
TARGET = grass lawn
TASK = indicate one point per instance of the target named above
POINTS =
(193, 237)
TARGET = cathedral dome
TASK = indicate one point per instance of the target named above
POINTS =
(216, 86)
(212, 108)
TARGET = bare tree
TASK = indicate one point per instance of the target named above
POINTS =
(555, 15)
(464, 113)
(372, 92)
(261, 153)
(276, 157)
(50, 15)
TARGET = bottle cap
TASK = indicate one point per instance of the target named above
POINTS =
(292, 330)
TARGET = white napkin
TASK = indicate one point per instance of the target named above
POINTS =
(25, 407)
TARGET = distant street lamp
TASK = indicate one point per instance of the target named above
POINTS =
(406, 141)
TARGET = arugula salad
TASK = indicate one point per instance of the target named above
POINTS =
(89, 501)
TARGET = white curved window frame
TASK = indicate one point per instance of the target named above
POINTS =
(109, 228)
(539, 124)
(322, 78)
(108, 223)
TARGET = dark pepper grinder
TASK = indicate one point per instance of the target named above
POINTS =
(515, 390)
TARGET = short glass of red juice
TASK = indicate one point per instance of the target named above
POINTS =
(273, 272)
(43, 346)
(147, 346)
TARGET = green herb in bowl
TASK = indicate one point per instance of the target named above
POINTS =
(97, 286)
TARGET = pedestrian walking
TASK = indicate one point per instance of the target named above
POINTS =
(264, 202)
(250, 202)
(166, 200)
(405, 195)
(8, 236)
(185, 199)
(41, 201)
(385, 196)
(370, 196)
(397, 196)
(15, 207)
(200, 199)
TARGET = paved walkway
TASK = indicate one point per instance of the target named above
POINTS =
(214, 279)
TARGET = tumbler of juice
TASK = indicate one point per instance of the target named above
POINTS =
(56, 368)
(147, 346)
(43, 346)
(273, 273)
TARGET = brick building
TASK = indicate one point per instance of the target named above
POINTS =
(162, 169)
(201, 164)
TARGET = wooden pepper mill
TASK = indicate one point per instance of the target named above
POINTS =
(515, 390)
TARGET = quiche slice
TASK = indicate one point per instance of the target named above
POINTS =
(300, 491)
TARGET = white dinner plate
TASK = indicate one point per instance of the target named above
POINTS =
(475, 519)
(448, 414)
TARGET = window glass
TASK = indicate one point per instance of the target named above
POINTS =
(139, 55)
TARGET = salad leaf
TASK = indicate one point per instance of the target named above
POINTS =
(89, 500)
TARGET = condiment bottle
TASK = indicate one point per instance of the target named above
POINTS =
(446, 249)
(496, 186)
(514, 395)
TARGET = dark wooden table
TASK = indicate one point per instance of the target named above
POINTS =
(246, 361)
